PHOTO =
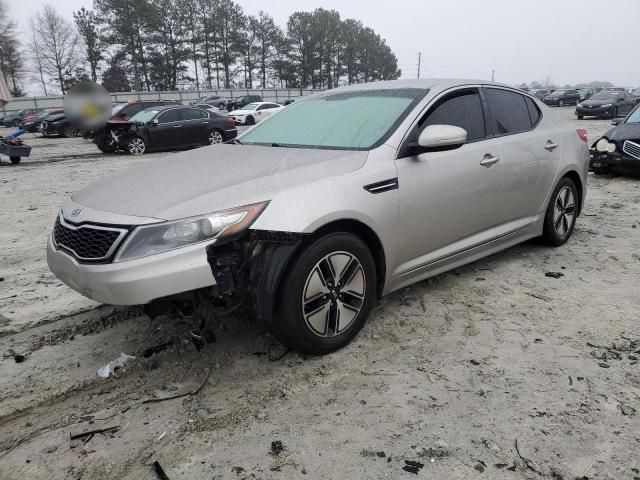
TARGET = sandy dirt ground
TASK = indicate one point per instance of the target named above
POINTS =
(493, 370)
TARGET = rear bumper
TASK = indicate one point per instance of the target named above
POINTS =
(134, 282)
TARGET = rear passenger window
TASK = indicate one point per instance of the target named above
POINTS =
(462, 109)
(534, 111)
(509, 112)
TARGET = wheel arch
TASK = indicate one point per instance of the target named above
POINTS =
(575, 177)
(364, 233)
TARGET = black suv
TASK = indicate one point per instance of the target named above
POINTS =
(562, 97)
(240, 102)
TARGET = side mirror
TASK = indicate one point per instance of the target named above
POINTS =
(155, 121)
(445, 137)
(616, 121)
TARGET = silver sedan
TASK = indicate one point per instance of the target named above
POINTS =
(342, 197)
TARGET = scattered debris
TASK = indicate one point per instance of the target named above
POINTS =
(554, 274)
(94, 432)
(159, 471)
(412, 466)
(539, 296)
(530, 465)
(276, 448)
(480, 466)
(627, 410)
(202, 339)
(474, 362)
(239, 471)
(162, 435)
(604, 364)
(110, 368)
(156, 349)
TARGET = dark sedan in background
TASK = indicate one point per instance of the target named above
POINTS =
(619, 149)
(213, 100)
(57, 125)
(562, 97)
(240, 102)
(539, 93)
(606, 104)
(165, 128)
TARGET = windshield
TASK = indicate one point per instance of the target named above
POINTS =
(144, 116)
(250, 106)
(634, 117)
(48, 112)
(358, 120)
(117, 108)
(604, 96)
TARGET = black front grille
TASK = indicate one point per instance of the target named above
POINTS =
(86, 242)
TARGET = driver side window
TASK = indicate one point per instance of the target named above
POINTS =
(463, 109)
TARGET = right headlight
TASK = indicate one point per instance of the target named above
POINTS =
(606, 105)
(162, 237)
(579, 105)
(603, 145)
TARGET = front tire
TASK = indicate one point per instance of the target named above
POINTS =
(15, 160)
(15, 123)
(69, 131)
(580, 117)
(560, 218)
(561, 103)
(614, 113)
(250, 120)
(136, 146)
(327, 295)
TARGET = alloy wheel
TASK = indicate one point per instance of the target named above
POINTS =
(136, 146)
(215, 137)
(564, 212)
(333, 294)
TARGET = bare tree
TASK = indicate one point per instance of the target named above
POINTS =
(34, 48)
(57, 40)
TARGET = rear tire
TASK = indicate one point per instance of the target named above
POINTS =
(561, 103)
(215, 136)
(15, 160)
(562, 212)
(614, 113)
(327, 295)
(15, 123)
(580, 117)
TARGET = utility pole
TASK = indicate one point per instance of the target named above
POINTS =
(493, 75)
(419, 59)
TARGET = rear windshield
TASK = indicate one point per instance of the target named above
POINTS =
(358, 120)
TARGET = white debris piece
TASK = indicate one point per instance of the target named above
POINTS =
(119, 362)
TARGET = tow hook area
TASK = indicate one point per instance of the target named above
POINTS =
(248, 270)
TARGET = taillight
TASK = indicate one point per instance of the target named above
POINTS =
(231, 121)
(582, 133)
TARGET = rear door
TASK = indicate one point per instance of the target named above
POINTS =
(531, 148)
(195, 125)
(449, 200)
(168, 132)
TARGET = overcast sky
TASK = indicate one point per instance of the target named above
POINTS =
(569, 41)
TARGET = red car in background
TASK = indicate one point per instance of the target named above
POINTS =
(31, 122)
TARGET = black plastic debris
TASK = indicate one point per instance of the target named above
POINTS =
(412, 466)
(201, 339)
(276, 448)
(474, 362)
(604, 365)
(155, 349)
(554, 274)
(159, 471)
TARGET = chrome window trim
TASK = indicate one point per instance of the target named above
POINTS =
(114, 246)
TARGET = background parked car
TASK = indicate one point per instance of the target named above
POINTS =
(606, 104)
(207, 107)
(562, 97)
(56, 124)
(213, 100)
(619, 148)
(124, 111)
(14, 119)
(635, 93)
(539, 93)
(240, 102)
(252, 113)
(586, 93)
(164, 128)
(32, 122)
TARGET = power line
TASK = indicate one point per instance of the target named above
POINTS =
(419, 59)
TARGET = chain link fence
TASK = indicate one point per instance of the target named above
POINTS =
(276, 95)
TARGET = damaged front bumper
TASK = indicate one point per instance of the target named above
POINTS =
(613, 161)
(134, 282)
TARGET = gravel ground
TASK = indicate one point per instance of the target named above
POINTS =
(493, 370)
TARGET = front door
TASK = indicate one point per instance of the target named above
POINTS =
(169, 131)
(449, 200)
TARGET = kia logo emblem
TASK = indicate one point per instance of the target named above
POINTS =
(75, 212)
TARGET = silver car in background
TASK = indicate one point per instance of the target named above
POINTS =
(342, 197)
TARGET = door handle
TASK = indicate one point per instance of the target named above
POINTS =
(489, 160)
(550, 146)
(177, 126)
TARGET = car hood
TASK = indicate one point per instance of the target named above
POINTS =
(54, 117)
(597, 103)
(625, 131)
(213, 178)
